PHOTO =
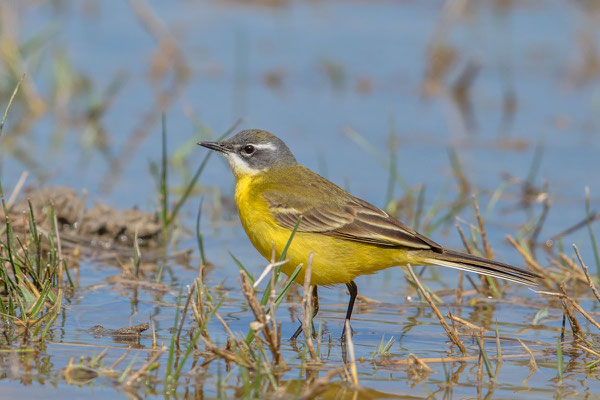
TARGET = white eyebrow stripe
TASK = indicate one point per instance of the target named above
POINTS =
(264, 146)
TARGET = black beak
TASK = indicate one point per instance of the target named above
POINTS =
(215, 146)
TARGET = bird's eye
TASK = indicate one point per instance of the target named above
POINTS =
(249, 149)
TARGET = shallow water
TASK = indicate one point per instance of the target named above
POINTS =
(309, 72)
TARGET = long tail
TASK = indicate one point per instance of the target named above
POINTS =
(467, 262)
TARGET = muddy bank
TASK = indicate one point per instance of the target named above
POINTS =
(97, 226)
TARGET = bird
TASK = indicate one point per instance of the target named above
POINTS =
(348, 236)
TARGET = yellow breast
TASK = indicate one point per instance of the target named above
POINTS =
(335, 260)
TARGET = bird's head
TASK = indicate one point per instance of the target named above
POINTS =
(252, 151)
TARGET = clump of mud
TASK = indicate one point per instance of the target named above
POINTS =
(100, 224)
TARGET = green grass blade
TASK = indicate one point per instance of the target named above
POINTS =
(287, 286)
(10, 101)
(36, 240)
(289, 242)
(199, 237)
(39, 304)
(265, 297)
(164, 195)
(559, 360)
(173, 338)
(194, 340)
(241, 266)
(486, 360)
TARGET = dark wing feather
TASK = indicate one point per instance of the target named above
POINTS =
(346, 217)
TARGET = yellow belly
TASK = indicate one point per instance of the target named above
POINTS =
(335, 260)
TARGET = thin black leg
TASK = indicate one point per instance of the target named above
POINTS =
(315, 304)
(353, 292)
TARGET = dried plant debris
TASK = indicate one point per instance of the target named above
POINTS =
(100, 224)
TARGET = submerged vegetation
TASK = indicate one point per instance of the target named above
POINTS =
(168, 302)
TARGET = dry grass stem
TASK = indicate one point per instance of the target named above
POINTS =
(466, 323)
(307, 308)
(463, 238)
(133, 378)
(447, 360)
(417, 361)
(486, 244)
(268, 269)
(532, 363)
(185, 308)
(119, 360)
(270, 333)
(366, 300)
(223, 353)
(587, 350)
(581, 224)
(574, 304)
(451, 334)
(350, 344)
(320, 385)
(573, 270)
(222, 321)
(461, 274)
(198, 306)
(534, 264)
(17, 189)
(587, 274)
(459, 287)
(575, 328)
(153, 332)
(583, 312)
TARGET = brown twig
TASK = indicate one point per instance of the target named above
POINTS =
(153, 332)
(320, 385)
(350, 344)
(187, 304)
(587, 274)
(461, 274)
(538, 227)
(307, 309)
(465, 322)
(145, 367)
(575, 328)
(486, 245)
(532, 363)
(572, 270)
(119, 360)
(17, 189)
(447, 360)
(574, 304)
(222, 321)
(534, 264)
(463, 238)
(587, 350)
(591, 218)
(419, 362)
(451, 334)
(262, 321)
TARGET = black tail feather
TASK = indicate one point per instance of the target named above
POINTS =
(468, 262)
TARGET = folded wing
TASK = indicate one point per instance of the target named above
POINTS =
(348, 218)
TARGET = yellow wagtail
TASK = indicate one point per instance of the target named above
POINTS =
(349, 237)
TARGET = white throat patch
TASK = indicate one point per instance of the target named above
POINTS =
(240, 166)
